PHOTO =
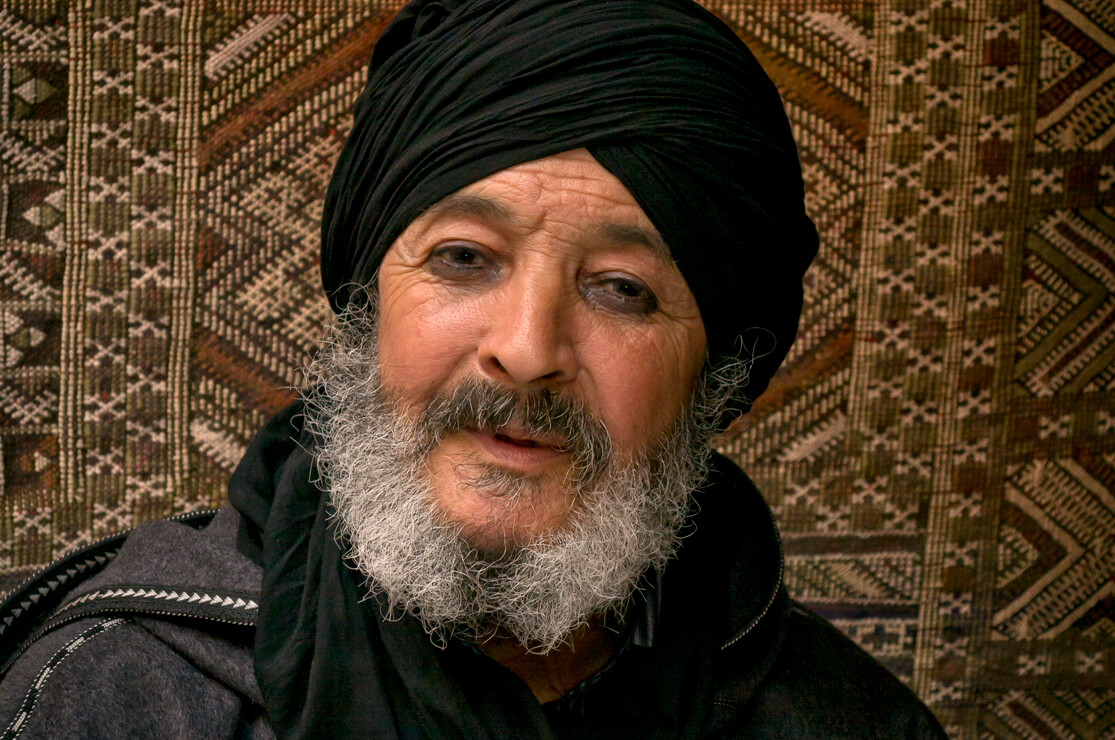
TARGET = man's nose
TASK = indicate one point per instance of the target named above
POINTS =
(529, 338)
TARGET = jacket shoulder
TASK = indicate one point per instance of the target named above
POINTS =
(823, 685)
(108, 676)
(152, 637)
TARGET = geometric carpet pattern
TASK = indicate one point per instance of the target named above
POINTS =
(939, 447)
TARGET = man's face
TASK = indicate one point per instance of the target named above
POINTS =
(546, 276)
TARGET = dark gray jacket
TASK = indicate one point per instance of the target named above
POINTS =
(157, 643)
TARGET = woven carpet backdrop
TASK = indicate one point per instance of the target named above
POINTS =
(939, 449)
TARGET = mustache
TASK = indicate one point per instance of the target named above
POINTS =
(539, 413)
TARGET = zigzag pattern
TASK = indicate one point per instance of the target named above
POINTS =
(1064, 715)
(264, 165)
(181, 596)
(1067, 334)
(1061, 518)
(877, 580)
(1078, 76)
(52, 585)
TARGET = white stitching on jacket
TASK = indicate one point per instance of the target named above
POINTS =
(190, 597)
(19, 722)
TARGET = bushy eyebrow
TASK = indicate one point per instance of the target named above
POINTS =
(623, 234)
(493, 210)
(477, 206)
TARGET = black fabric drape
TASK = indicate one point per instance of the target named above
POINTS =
(660, 92)
(329, 666)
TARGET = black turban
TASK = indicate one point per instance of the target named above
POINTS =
(662, 94)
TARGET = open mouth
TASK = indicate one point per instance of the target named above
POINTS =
(519, 446)
(516, 440)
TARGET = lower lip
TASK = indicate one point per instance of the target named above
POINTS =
(508, 453)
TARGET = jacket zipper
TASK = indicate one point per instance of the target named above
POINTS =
(773, 593)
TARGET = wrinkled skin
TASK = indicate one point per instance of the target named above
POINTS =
(546, 275)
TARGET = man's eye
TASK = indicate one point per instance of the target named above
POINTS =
(628, 288)
(623, 294)
(460, 260)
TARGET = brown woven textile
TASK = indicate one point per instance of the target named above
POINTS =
(940, 448)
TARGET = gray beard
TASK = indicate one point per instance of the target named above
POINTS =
(372, 462)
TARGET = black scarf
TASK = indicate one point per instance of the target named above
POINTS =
(329, 666)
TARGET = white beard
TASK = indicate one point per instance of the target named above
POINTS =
(372, 462)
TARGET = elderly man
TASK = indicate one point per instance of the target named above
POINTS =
(564, 244)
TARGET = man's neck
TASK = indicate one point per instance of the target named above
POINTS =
(551, 675)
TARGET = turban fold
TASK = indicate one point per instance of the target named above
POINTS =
(663, 95)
